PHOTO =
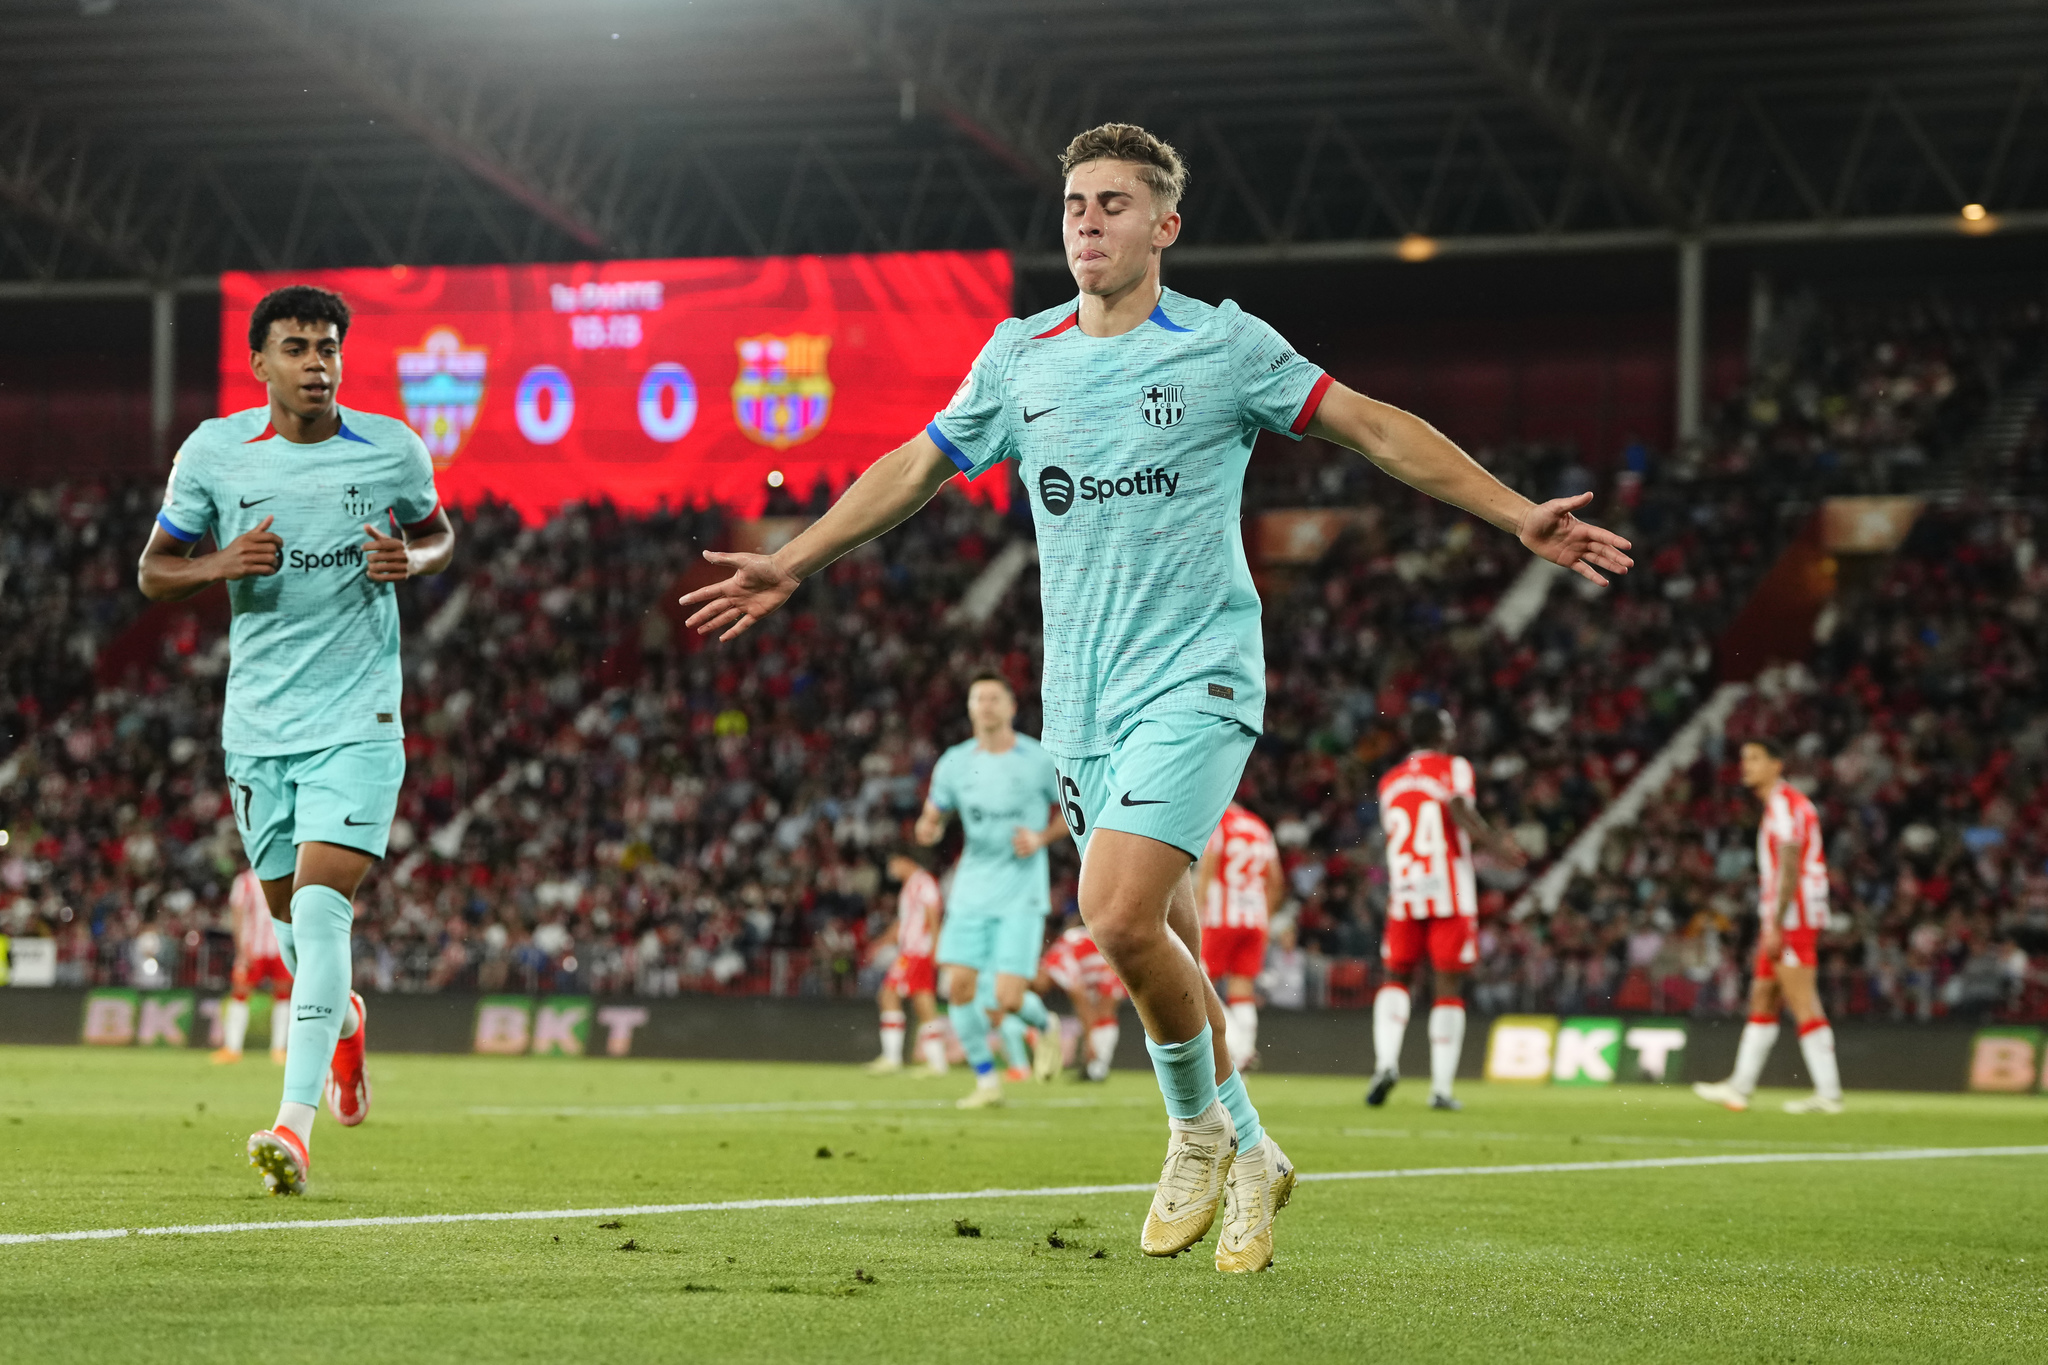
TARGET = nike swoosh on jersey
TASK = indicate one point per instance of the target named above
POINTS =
(347, 821)
(1030, 416)
(1128, 802)
(246, 504)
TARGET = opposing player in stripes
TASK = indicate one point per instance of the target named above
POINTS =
(914, 975)
(259, 964)
(1792, 902)
(1238, 886)
(1427, 814)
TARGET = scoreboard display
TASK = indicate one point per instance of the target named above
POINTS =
(689, 381)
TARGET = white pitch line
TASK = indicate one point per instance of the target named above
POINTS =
(1044, 1192)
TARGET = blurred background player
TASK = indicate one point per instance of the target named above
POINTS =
(1238, 885)
(914, 975)
(258, 966)
(1002, 786)
(1792, 905)
(1432, 902)
(314, 743)
(1076, 966)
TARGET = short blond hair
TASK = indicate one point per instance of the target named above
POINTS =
(1159, 165)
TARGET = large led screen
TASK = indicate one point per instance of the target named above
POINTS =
(686, 380)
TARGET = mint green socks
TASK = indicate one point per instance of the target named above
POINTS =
(1033, 1011)
(1015, 1050)
(286, 947)
(970, 1022)
(1234, 1098)
(1187, 1075)
(321, 918)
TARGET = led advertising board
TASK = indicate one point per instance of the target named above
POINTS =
(694, 381)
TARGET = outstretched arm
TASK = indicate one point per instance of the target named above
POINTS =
(892, 488)
(1422, 457)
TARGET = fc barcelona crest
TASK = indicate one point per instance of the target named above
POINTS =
(782, 396)
(442, 387)
(1162, 405)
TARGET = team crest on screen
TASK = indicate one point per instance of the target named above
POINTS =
(1162, 405)
(441, 384)
(782, 396)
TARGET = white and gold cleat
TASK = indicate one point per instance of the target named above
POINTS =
(1813, 1104)
(1721, 1093)
(1198, 1161)
(882, 1066)
(1258, 1186)
(1045, 1057)
(981, 1097)
(281, 1158)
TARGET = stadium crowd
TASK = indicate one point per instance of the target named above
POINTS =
(599, 801)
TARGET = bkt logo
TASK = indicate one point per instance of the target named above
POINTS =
(348, 556)
(1056, 488)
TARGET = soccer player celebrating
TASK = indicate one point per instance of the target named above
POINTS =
(1132, 413)
(913, 976)
(1238, 886)
(258, 964)
(1792, 903)
(1427, 814)
(319, 511)
(1004, 789)
(1075, 965)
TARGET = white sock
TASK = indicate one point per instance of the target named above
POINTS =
(1446, 1044)
(931, 1043)
(1241, 1031)
(1101, 1049)
(1817, 1046)
(1389, 1026)
(349, 1022)
(234, 1025)
(892, 1037)
(1210, 1119)
(1758, 1038)
(298, 1118)
(280, 1024)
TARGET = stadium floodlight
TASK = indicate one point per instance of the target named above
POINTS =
(1416, 247)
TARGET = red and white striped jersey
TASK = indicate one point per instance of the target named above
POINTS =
(249, 914)
(917, 909)
(1429, 858)
(1075, 965)
(1789, 818)
(1243, 849)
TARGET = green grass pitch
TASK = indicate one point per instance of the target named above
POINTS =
(1852, 1261)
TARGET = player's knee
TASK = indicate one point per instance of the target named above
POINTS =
(1122, 934)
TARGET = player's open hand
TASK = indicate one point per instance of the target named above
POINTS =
(255, 553)
(1551, 531)
(757, 587)
(385, 557)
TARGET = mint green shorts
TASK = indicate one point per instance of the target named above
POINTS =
(1006, 944)
(1167, 777)
(346, 795)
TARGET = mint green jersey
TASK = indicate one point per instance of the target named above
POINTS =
(313, 648)
(1133, 452)
(995, 795)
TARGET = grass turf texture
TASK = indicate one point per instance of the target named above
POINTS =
(1860, 1261)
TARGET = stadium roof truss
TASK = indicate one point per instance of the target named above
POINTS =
(159, 140)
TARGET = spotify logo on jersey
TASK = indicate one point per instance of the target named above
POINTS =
(1055, 490)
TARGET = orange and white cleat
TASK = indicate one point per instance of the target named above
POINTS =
(348, 1083)
(224, 1056)
(281, 1158)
